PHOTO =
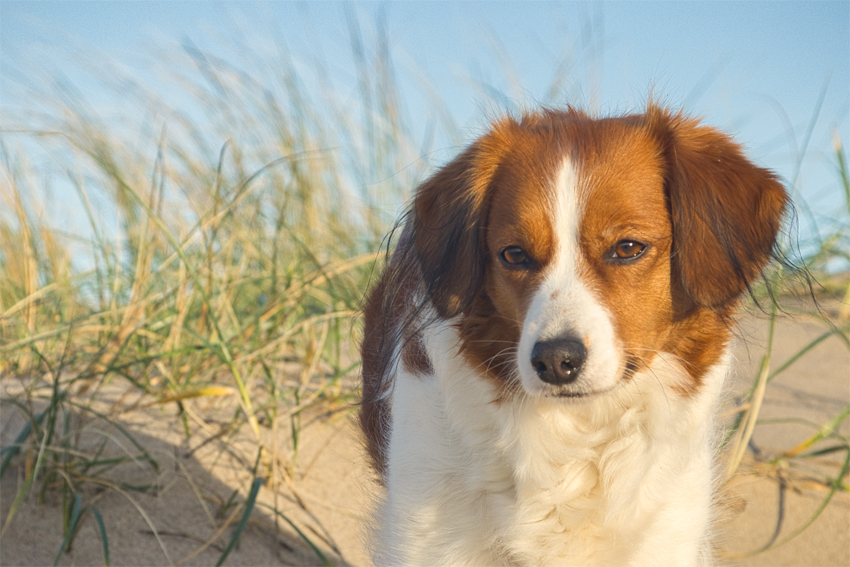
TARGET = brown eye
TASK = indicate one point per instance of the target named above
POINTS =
(628, 250)
(515, 257)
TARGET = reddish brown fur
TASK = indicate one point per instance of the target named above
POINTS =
(622, 186)
(386, 315)
(519, 213)
(709, 216)
(414, 358)
(374, 409)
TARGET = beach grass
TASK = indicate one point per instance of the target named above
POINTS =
(213, 262)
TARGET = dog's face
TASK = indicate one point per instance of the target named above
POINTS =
(571, 251)
(581, 260)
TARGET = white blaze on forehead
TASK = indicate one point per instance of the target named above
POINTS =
(565, 307)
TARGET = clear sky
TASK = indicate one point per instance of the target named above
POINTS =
(754, 69)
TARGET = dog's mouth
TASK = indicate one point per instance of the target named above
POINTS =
(579, 393)
(575, 395)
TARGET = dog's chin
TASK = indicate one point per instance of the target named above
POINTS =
(577, 393)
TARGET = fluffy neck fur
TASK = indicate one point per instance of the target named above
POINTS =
(594, 483)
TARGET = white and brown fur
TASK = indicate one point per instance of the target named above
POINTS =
(626, 239)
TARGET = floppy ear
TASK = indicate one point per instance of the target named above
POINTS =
(725, 211)
(448, 216)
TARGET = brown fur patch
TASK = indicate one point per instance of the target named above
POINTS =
(374, 409)
(414, 357)
(386, 317)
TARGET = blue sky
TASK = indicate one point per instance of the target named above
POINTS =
(754, 69)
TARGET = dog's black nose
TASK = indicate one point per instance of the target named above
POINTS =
(558, 361)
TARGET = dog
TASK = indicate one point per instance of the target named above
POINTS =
(545, 353)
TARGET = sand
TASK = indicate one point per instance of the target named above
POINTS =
(330, 493)
(769, 502)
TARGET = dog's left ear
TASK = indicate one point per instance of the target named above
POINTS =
(725, 211)
(448, 216)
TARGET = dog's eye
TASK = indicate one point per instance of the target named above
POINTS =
(628, 250)
(515, 257)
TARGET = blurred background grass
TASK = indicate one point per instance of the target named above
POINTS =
(228, 248)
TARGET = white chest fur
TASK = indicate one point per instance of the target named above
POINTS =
(624, 479)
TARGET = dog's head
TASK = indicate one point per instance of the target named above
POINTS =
(570, 251)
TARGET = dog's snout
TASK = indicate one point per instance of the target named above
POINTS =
(558, 361)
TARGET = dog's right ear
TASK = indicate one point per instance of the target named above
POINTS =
(448, 215)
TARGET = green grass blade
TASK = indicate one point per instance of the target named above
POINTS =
(306, 539)
(15, 448)
(72, 527)
(822, 434)
(249, 507)
(842, 170)
(802, 352)
(825, 451)
(145, 454)
(836, 484)
(19, 497)
(103, 539)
